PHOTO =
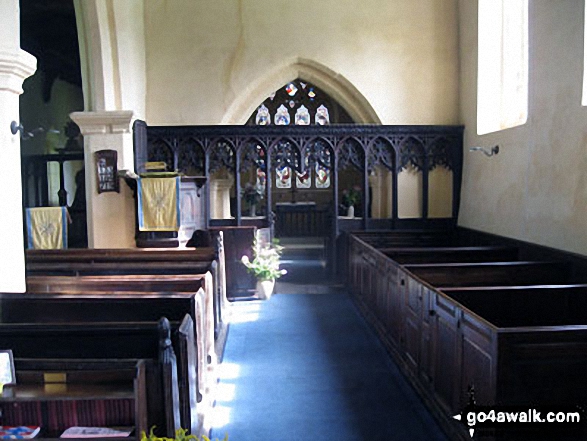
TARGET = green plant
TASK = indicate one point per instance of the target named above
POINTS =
(252, 194)
(266, 260)
(180, 435)
(351, 196)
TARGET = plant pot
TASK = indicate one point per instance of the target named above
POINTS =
(351, 211)
(265, 288)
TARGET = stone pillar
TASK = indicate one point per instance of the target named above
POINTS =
(111, 215)
(15, 66)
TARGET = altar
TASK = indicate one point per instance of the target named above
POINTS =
(301, 219)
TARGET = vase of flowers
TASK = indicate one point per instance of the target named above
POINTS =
(265, 266)
(350, 198)
(252, 194)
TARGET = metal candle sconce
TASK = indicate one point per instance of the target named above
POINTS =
(487, 152)
(24, 135)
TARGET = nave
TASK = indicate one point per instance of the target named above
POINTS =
(306, 365)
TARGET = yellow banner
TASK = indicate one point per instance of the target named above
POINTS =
(158, 204)
(46, 228)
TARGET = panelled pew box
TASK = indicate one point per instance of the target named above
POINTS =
(202, 309)
(521, 345)
(121, 319)
(57, 394)
(135, 262)
(110, 351)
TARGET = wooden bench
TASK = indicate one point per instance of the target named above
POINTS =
(125, 261)
(58, 393)
(195, 364)
(409, 238)
(202, 314)
(513, 330)
(106, 341)
(491, 273)
(140, 268)
(417, 255)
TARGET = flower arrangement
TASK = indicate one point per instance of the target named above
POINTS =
(351, 196)
(252, 194)
(266, 260)
(180, 435)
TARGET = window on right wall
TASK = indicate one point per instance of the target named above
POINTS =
(584, 98)
(502, 77)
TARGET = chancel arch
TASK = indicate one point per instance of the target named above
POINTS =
(331, 82)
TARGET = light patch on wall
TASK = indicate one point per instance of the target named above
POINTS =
(584, 98)
(502, 76)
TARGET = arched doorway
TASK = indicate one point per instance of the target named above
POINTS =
(302, 196)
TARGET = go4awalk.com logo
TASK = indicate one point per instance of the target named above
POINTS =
(546, 421)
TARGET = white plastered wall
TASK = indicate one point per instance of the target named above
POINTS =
(15, 66)
(202, 57)
(535, 189)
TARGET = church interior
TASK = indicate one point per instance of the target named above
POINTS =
(408, 175)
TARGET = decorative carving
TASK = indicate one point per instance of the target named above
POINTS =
(221, 156)
(412, 153)
(351, 153)
(191, 158)
(381, 152)
(160, 150)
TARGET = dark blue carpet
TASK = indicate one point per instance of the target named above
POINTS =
(308, 367)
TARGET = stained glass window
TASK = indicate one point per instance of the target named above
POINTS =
(282, 116)
(300, 103)
(283, 177)
(322, 177)
(303, 116)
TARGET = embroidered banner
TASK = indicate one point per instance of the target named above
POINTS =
(46, 228)
(158, 204)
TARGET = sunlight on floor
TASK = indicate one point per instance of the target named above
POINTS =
(246, 312)
(228, 371)
(220, 416)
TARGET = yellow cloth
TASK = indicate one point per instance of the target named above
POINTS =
(46, 228)
(158, 204)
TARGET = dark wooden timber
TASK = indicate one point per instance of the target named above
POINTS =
(515, 331)
(415, 255)
(107, 340)
(492, 273)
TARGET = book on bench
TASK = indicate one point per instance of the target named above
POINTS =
(96, 432)
(18, 432)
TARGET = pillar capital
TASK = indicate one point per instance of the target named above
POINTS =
(114, 122)
(15, 67)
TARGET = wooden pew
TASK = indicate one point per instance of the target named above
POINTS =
(514, 330)
(59, 393)
(409, 238)
(58, 265)
(196, 365)
(491, 273)
(417, 255)
(188, 261)
(106, 341)
(123, 283)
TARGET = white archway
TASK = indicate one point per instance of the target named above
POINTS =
(334, 84)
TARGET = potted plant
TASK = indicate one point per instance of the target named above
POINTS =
(252, 194)
(265, 266)
(351, 197)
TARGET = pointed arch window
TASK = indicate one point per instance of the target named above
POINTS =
(502, 89)
(301, 103)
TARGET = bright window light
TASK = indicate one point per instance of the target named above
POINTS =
(584, 99)
(502, 88)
